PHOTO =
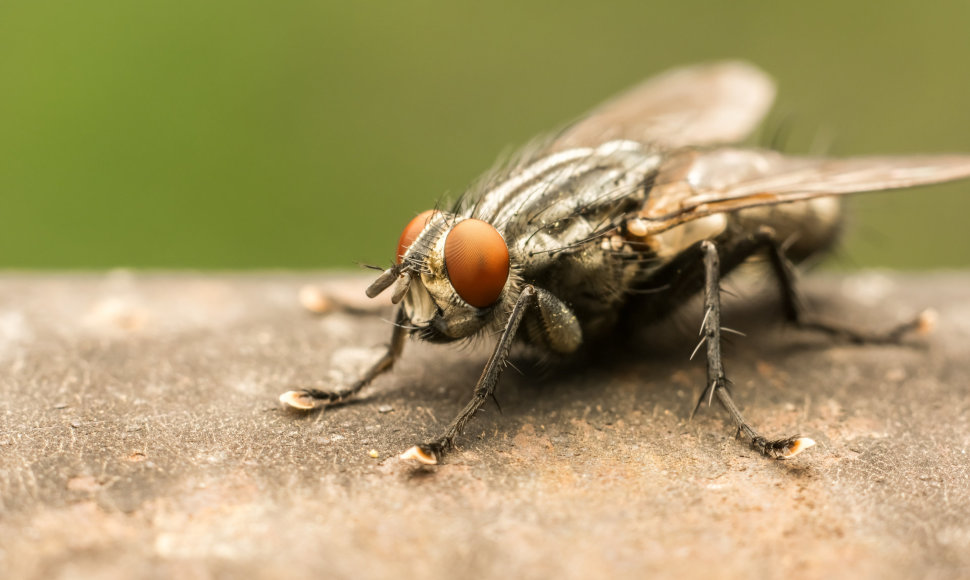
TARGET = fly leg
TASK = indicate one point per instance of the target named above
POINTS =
(794, 309)
(680, 278)
(717, 382)
(306, 399)
(337, 297)
(550, 308)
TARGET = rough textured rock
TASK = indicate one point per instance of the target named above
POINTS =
(140, 437)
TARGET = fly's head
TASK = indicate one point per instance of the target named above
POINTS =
(452, 274)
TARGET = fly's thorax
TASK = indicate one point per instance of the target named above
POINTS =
(459, 277)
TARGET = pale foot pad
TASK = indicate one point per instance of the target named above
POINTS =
(926, 321)
(315, 300)
(417, 454)
(298, 400)
(799, 445)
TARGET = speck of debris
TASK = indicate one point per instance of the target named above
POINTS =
(385, 409)
(373, 453)
(75, 423)
(61, 405)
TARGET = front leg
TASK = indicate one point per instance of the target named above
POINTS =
(307, 399)
(563, 334)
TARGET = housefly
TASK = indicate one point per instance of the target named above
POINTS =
(628, 212)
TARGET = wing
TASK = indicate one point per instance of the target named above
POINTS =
(694, 184)
(699, 105)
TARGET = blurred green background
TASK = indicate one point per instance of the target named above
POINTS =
(299, 134)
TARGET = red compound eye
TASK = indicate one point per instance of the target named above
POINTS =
(411, 231)
(477, 260)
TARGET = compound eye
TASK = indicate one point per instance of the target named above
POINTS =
(412, 231)
(477, 261)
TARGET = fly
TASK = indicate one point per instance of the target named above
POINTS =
(626, 213)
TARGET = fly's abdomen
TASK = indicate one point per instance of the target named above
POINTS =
(804, 228)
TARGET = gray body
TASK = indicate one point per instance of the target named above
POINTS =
(565, 216)
(631, 210)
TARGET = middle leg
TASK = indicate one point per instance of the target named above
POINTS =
(717, 382)
(430, 453)
(560, 329)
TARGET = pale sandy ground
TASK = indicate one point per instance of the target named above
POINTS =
(140, 437)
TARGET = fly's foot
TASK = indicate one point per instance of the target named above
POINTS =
(925, 322)
(309, 399)
(314, 299)
(338, 298)
(781, 448)
(921, 325)
(425, 454)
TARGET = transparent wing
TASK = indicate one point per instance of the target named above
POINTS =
(694, 184)
(699, 105)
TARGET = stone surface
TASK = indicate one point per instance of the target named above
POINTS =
(140, 437)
